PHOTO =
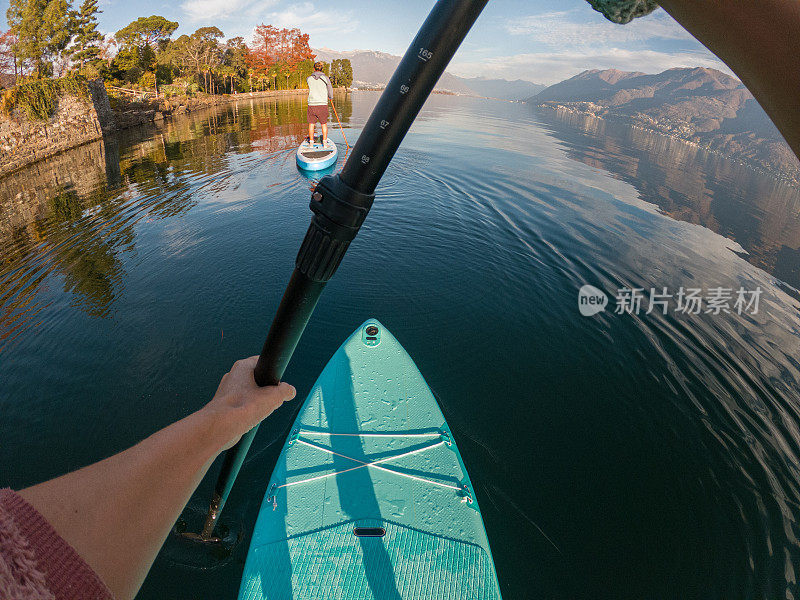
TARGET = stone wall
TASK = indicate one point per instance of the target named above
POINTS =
(75, 122)
(97, 90)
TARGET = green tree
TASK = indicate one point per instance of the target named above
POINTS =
(86, 45)
(200, 55)
(130, 63)
(174, 53)
(43, 29)
(146, 31)
(140, 40)
(336, 72)
(346, 71)
(304, 70)
(208, 55)
(235, 58)
(164, 73)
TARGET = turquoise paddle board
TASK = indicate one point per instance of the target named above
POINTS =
(316, 156)
(370, 499)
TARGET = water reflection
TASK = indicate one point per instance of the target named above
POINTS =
(67, 220)
(606, 432)
(758, 211)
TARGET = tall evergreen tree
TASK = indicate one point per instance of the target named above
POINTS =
(335, 72)
(346, 71)
(341, 72)
(86, 46)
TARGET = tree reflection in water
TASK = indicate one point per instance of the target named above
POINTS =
(69, 219)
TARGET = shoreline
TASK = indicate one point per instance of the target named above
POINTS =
(136, 113)
(131, 113)
(154, 110)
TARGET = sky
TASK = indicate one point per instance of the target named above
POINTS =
(544, 41)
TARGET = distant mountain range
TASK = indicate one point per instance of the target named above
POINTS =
(700, 105)
(503, 89)
(374, 69)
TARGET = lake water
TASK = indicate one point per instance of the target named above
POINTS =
(620, 455)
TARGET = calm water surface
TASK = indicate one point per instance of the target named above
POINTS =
(658, 453)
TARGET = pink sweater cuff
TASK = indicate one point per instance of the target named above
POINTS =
(33, 554)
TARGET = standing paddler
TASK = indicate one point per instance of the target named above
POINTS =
(319, 91)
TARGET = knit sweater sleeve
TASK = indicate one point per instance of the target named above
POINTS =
(38, 564)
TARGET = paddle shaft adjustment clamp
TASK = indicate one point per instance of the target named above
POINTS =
(339, 211)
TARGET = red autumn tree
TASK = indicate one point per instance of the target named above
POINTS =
(300, 48)
(278, 50)
(8, 58)
(261, 57)
(293, 48)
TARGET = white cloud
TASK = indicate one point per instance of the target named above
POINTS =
(563, 43)
(558, 29)
(240, 17)
(552, 67)
(312, 20)
(201, 10)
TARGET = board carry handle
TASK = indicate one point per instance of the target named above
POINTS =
(341, 202)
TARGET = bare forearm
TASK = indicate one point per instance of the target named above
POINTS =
(760, 42)
(117, 513)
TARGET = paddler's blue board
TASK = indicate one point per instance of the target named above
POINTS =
(406, 526)
(316, 156)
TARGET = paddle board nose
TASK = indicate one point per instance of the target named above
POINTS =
(370, 498)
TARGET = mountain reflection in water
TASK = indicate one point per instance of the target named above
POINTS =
(757, 211)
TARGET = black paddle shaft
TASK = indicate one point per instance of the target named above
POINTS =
(341, 202)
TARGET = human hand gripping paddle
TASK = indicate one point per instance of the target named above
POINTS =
(340, 204)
